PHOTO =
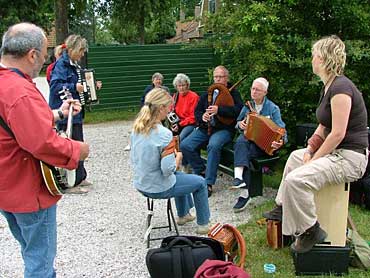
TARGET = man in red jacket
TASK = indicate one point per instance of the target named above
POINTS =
(25, 202)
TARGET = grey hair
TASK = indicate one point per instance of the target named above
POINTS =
(263, 82)
(21, 38)
(76, 43)
(157, 75)
(180, 79)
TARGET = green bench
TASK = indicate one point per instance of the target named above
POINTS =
(227, 166)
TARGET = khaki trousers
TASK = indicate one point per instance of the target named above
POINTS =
(300, 181)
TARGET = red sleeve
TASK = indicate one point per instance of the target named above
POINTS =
(31, 121)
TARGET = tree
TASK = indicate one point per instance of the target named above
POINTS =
(36, 11)
(135, 16)
(273, 38)
(61, 20)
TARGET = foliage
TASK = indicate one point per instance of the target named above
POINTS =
(273, 38)
(39, 12)
(188, 6)
(140, 21)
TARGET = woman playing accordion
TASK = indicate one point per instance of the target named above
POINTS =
(246, 150)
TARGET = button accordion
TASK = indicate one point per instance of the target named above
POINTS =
(86, 78)
(262, 131)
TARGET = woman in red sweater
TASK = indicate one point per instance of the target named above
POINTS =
(185, 102)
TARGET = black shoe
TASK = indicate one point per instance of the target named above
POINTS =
(238, 183)
(241, 204)
(274, 214)
(209, 187)
(308, 239)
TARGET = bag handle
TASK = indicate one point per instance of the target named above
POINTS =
(241, 244)
(179, 239)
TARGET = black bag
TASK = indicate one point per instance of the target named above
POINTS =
(180, 256)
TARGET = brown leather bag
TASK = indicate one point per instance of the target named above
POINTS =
(275, 237)
(232, 240)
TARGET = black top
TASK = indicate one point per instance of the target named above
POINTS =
(225, 111)
(356, 133)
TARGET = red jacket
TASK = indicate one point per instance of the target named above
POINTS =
(24, 109)
(49, 69)
(185, 107)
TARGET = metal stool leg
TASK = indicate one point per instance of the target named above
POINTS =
(149, 226)
(171, 216)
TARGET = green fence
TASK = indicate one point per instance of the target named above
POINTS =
(126, 70)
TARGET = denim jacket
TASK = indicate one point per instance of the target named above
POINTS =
(269, 109)
(64, 74)
(152, 174)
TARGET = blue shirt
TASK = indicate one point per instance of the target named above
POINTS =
(270, 110)
(152, 174)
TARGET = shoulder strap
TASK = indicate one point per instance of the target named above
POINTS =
(6, 127)
(241, 244)
(176, 262)
(249, 104)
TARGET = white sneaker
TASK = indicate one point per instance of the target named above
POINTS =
(185, 219)
(127, 148)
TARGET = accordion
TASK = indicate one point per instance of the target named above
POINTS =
(86, 78)
(262, 131)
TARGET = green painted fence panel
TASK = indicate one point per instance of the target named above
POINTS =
(126, 70)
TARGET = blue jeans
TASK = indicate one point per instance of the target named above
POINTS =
(244, 152)
(77, 134)
(36, 232)
(198, 138)
(185, 132)
(186, 184)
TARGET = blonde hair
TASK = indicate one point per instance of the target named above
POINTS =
(58, 50)
(75, 43)
(149, 113)
(333, 52)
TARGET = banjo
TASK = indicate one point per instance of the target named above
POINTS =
(56, 179)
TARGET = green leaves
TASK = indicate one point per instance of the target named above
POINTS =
(273, 38)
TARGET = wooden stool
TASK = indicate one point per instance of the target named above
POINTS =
(332, 212)
(149, 226)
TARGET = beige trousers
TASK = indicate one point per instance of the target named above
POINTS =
(300, 181)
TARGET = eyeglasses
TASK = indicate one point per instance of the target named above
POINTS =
(256, 89)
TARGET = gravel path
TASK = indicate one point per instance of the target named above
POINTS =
(100, 234)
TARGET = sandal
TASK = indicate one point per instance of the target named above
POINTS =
(209, 188)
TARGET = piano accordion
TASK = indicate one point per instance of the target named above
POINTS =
(262, 131)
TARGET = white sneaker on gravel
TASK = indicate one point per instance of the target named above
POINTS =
(202, 229)
(185, 219)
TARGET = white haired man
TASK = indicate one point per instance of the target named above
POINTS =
(245, 150)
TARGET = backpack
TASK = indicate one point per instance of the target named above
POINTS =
(360, 250)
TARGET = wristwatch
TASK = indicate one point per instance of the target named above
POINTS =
(60, 114)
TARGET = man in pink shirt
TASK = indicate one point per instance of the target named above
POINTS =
(24, 200)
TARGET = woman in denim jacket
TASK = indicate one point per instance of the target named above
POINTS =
(245, 150)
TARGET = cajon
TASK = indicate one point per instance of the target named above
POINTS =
(332, 211)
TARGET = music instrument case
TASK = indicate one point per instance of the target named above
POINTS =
(322, 259)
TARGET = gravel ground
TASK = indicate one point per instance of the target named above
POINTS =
(100, 234)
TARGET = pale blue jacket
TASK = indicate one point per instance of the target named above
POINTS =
(270, 110)
(152, 174)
